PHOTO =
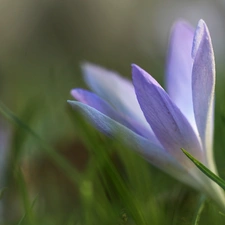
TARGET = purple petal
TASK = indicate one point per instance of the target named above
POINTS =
(116, 90)
(179, 69)
(168, 123)
(203, 87)
(96, 102)
(153, 153)
(102, 106)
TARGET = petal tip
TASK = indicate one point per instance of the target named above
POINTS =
(182, 24)
(134, 67)
(200, 32)
(76, 93)
(73, 92)
(75, 104)
(70, 101)
(136, 72)
(139, 74)
(87, 66)
(201, 23)
(181, 30)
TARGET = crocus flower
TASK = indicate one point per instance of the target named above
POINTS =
(157, 123)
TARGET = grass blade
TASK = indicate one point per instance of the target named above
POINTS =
(205, 170)
(67, 167)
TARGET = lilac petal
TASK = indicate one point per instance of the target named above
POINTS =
(168, 123)
(116, 90)
(203, 87)
(179, 69)
(96, 102)
(153, 153)
(102, 106)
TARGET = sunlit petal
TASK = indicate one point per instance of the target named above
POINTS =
(168, 123)
(102, 106)
(179, 69)
(117, 90)
(203, 86)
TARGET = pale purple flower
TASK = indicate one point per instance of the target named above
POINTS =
(157, 123)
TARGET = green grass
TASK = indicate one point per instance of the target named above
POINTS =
(115, 186)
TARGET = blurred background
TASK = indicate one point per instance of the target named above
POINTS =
(43, 42)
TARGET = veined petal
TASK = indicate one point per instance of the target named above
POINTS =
(179, 69)
(168, 123)
(116, 90)
(203, 88)
(153, 153)
(102, 106)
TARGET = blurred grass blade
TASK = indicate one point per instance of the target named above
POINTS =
(200, 206)
(2, 191)
(28, 115)
(59, 160)
(205, 170)
(21, 221)
(28, 206)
